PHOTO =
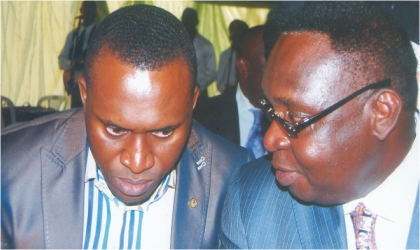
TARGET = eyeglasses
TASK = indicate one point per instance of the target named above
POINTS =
(292, 129)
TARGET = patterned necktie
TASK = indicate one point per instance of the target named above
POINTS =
(255, 136)
(364, 227)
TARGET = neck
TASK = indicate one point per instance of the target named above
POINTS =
(400, 140)
(192, 34)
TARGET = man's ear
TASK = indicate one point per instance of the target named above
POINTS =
(82, 88)
(387, 108)
(196, 94)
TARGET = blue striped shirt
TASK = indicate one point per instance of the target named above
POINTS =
(108, 222)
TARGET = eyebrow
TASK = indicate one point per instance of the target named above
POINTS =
(282, 101)
(170, 126)
(291, 105)
(109, 123)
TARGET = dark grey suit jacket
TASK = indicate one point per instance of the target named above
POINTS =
(258, 214)
(42, 184)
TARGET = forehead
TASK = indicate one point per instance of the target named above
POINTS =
(127, 95)
(303, 69)
(107, 66)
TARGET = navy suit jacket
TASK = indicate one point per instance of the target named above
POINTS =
(258, 214)
(42, 184)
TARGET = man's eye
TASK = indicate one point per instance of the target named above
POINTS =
(299, 117)
(163, 133)
(115, 131)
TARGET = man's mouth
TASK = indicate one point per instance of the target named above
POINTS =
(133, 187)
(285, 178)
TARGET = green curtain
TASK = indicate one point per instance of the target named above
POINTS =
(33, 34)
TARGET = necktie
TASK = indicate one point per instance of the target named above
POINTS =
(78, 48)
(255, 136)
(364, 227)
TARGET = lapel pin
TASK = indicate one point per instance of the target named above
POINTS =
(193, 203)
(201, 163)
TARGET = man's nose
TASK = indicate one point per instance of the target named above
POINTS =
(137, 154)
(275, 138)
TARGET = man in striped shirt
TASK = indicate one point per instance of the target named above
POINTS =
(131, 169)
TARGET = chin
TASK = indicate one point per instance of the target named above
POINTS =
(133, 201)
(306, 196)
(311, 197)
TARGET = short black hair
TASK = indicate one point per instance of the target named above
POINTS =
(365, 32)
(89, 9)
(236, 29)
(247, 39)
(272, 30)
(189, 17)
(239, 25)
(144, 36)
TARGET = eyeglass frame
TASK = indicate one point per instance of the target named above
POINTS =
(291, 130)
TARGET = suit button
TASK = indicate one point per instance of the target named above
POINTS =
(193, 203)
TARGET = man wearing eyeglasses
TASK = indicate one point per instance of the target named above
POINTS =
(340, 87)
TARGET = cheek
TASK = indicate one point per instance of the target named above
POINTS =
(315, 146)
(314, 150)
(167, 152)
(105, 150)
(329, 153)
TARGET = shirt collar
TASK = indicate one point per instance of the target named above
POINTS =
(244, 105)
(88, 28)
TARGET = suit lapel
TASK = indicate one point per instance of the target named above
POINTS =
(63, 172)
(192, 194)
(320, 227)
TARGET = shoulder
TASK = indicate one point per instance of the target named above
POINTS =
(201, 40)
(257, 175)
(256, 212)
(74, 32)
(225, 54)
(34, 159)
(43, 124)
(61, 136)
(256, 185)
(62, 129)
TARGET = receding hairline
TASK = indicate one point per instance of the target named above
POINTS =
(107, 51)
